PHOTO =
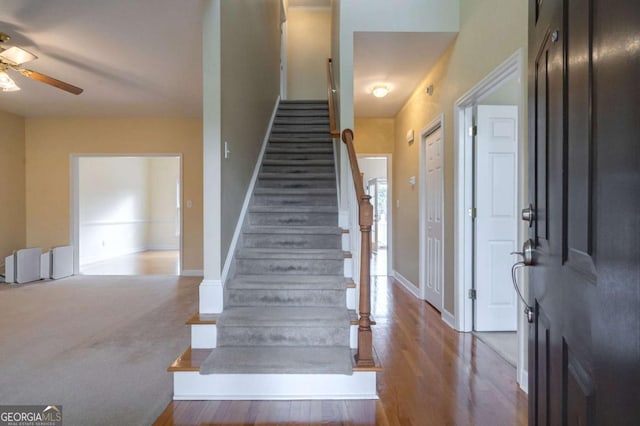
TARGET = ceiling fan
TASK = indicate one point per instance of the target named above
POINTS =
(12, 57)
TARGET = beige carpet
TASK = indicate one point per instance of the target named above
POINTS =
(97, 345)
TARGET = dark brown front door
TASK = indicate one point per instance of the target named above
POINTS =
(584, 137)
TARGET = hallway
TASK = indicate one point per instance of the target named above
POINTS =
(432, 376)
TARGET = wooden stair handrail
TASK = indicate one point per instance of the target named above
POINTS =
(364, 355)
(331, 89)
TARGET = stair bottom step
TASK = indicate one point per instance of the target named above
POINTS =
(278, 360)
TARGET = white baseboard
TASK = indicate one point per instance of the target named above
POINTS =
(523, 380)
(191, 385)
(412, 288)
(210, 297)
(204, 336)
(247, 197)
(192, 273)
(448, 318)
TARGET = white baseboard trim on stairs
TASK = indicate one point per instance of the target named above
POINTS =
(204, 336)
(412, 288)
(247, 197)
(191, 385)
(210, 297)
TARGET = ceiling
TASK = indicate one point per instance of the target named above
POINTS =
(310, 3)
(132, 58)
(399, 61)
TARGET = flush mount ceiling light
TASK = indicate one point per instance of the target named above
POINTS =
(380, 91)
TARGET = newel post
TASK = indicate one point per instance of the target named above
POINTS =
(364, 356)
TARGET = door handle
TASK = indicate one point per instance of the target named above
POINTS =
(529, 215)
(526, 253)
(527, 260)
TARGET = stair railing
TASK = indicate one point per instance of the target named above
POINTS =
(364, 354)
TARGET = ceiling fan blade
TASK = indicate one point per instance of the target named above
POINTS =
(51, 81)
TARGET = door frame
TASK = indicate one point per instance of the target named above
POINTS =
(389, 158)
(512, 67)
(437, 123)
(74, 199)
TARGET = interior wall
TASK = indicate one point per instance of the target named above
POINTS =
(113, 207)
(50, 142)
(163, 230)
(308, 47)
(250, 86)
(12, 190)
(480, 47)
(385, 15)
(374, 135)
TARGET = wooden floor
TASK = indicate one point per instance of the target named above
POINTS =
(153, 262)
(432, 376)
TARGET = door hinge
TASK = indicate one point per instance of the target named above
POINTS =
(472, 294)
(473, 130)
(473, 213)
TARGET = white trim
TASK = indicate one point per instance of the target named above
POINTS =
(192, 273)
(512, 67)
(191, 385)
(247, 197)
(523, 380)
(283, 58)
(204, 336)
(74, 199)
(437, 123)
(210, 297)
(448, 318)
(411, 287)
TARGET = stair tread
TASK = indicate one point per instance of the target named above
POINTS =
(284, 316)
(274, 229)
(301, 254)
(295, 176)
(279, 359)
(295, 191)
(292, 162)
(259, 208)
(289, 282)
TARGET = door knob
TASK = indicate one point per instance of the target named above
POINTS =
(529, 215)
(526, 253)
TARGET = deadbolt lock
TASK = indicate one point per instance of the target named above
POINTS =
(529, 215)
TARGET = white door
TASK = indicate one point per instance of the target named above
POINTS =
(496, 200)
(433, 275)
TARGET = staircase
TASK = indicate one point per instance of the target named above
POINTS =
(286, 330)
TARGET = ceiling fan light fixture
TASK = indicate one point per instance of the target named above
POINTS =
(380, 91)
(16, 56)
(6, 83)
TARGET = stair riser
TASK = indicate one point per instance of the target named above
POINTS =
(300, 138)
(295, 183)
(294, 219)
(300, 147)
(317, 113)
(297, 169)
(294, 200)
(303, 107)
(276, 297)
(289, 267)
(292, 241)
(314, 129)
(282, 336)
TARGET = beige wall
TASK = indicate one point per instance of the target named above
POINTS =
(250, 85)
(308, 47)
(50, 143)
(374, 135)
(490, 31)
(12, 184)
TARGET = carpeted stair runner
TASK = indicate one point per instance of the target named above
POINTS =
(285, 307)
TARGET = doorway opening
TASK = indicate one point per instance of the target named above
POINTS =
(489, 189)
(375, 175)
(127, 214)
